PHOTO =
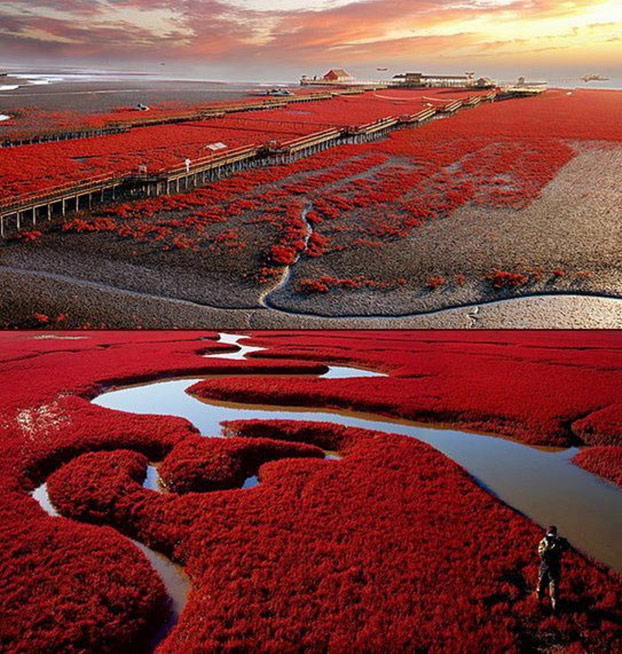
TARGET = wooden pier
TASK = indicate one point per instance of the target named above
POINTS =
(30, 211)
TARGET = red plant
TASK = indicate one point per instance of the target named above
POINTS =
(501, 279)
(327, 282)
(215, 464)
(605, 461)
(29, 236)
(435, 282)
(282, 255)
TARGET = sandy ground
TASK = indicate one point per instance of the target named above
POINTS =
(96, 96)
(25, 292)
(205, 277)
(574, 226)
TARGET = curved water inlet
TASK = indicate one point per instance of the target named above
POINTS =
(541, 483)
(334, 372)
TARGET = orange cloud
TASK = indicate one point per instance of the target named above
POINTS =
(305, 34)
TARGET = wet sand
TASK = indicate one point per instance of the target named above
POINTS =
(93, 96)
(86, 304)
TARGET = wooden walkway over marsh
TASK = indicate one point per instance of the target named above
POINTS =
(31, 211)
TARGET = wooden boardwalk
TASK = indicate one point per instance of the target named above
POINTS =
(29, 212)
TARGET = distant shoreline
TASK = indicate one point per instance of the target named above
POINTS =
(94, 75)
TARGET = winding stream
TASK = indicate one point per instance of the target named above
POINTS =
(264, 298)
(539, 482)
(239, 354)
(173, 576)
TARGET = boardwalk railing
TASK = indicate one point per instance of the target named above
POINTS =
(28, 210)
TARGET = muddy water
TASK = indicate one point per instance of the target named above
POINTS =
(539, 482)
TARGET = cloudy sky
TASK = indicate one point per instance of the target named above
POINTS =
(280, 39)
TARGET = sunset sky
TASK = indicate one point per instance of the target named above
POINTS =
(280, 39)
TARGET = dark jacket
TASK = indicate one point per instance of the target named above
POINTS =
(551, 548)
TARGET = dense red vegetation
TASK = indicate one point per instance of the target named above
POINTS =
(301, 562)
(37, 167)
(602, 460)
(73, 588)
(33, 121)
(391, 548)
(214, 464)
(554, 389)
(93, 592)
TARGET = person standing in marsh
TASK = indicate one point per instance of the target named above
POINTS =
(550, 549)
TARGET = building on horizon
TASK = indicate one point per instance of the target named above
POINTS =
(420, 80)
(335, 76)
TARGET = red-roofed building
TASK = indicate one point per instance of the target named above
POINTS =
(338, 75)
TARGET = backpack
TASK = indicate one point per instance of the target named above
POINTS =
(551, 548)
